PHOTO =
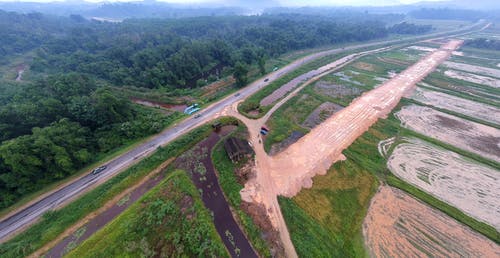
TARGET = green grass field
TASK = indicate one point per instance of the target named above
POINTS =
(332, 211)
(168, 221)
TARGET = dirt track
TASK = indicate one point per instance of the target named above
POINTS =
(394, 227)
(452, 178)
(286, 173)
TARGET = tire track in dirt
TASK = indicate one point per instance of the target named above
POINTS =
(398, 225)
(464, 134)
(471, 187)
(459, 105)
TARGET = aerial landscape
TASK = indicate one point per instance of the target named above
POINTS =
(233, 128)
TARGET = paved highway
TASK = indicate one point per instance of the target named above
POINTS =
(30, 214)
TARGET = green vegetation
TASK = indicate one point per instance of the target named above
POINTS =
(483, 43)
(332, 211)
(58, 125)
(289, 118)
(168, 221)
(253, 102)
(231, 188)
(54, 223)
(409, 28)
(309, 238)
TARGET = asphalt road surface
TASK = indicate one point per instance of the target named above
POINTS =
(30, 214)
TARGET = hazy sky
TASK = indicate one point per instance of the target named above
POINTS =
(282, 2)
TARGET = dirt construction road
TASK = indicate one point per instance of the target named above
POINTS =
(293, 168)
(287, 172)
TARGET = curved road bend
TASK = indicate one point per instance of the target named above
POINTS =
(31, 213)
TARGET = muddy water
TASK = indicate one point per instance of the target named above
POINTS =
(102, 219)
(148, 103)
(232, 236)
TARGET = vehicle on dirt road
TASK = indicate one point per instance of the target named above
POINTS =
(266, 80)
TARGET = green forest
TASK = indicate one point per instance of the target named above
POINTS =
(70, 113)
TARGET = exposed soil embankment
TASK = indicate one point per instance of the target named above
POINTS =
(154, 104)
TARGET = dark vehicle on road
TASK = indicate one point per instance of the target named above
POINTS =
(266, 80)
(197, 115)
(98, 170)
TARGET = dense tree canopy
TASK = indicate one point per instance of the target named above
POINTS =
(409, 28)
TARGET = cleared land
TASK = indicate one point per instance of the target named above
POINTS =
(474, 78)
(473, 69)
(398, 225)
(304, 78)
(286, 173)
(471, 187)
(293, 168)
(473, 137)
(456, 104)
(321, 113)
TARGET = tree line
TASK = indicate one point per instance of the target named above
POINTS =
(55, 126)
(483, 43)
